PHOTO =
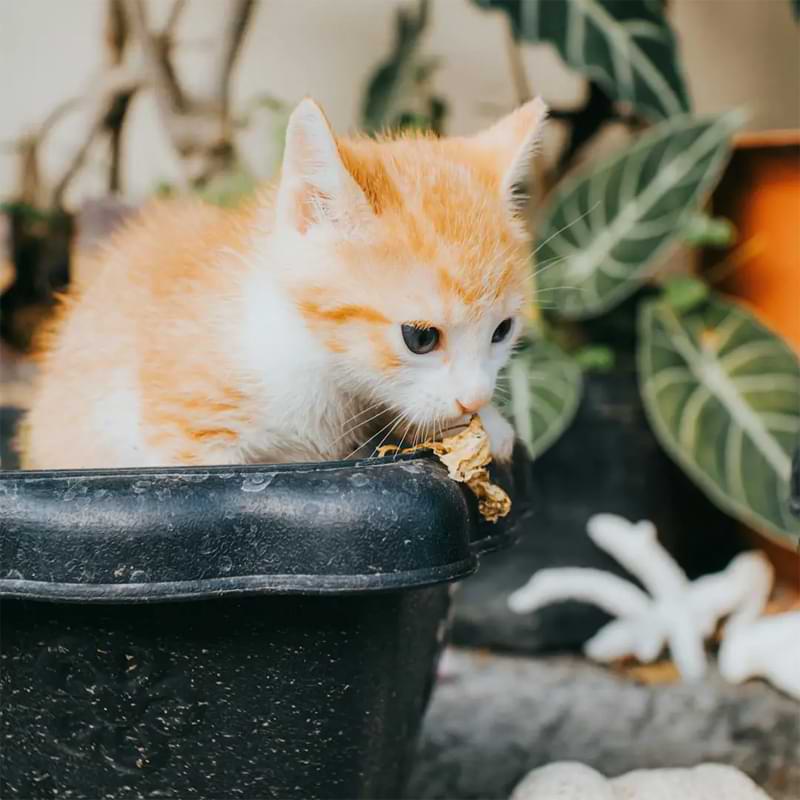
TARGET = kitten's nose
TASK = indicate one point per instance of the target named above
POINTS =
(472, 404)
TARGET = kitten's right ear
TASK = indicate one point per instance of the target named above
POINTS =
(315, 186)
(514, 141)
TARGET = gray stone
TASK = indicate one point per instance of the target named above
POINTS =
(494, 718)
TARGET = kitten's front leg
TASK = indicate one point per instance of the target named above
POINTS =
(501, 434)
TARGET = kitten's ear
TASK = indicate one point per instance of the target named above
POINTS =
(315, 186)
(514, 141)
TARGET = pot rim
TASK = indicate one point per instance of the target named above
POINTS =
(767, 139)
(158, 534)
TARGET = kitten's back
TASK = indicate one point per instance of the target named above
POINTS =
(109, 338)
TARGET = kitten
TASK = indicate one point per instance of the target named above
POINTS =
(371, 295)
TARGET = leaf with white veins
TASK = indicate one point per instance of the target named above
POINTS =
(722, 393)
(608, 225)
(544, 390)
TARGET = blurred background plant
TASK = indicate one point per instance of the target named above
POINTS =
(400, 94)
(199, 123)
(720, 389)
(635, 351)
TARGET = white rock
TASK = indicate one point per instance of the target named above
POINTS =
(572, 781)
(565, 780)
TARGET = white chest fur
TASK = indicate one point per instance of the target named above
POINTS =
(307, 413)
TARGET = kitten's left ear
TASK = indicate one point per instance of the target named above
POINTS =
(513, 141)
(315, 186)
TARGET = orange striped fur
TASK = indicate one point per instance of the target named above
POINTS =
(273, 332)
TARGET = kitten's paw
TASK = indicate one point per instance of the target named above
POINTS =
(501, 434)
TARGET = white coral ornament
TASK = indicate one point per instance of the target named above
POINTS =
(677, 613)
(573, 781)
(768, 647)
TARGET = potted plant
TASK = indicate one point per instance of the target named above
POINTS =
(631, 354)
(262, 630)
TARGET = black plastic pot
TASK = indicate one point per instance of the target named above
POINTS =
(301, 669)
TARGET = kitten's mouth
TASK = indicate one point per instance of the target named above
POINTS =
(456, 424)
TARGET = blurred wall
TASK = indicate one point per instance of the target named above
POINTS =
(736, 52)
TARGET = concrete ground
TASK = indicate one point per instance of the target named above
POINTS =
(494, 717)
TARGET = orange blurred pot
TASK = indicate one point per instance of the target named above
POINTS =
(760, 194)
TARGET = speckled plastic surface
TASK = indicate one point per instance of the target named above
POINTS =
(302, 666)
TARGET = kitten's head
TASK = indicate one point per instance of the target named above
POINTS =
(408, 257)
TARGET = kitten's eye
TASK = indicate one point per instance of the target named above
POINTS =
(502, 330)
(420, 340)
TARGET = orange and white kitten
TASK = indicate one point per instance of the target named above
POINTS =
(373, 293)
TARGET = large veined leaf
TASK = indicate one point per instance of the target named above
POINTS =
(723, 396)
(626, 46)
(605, 227)
(540, 391)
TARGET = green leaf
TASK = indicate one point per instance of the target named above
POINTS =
(541, 390)
(796, 8)
(605, 227)
(626, 46)
(683, 293)
(722, 393)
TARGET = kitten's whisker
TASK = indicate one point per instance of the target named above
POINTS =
(409, 426)
(457, 426)
(544, 267)
(362, 412)
(359, 425)
(416, 430)
(374, 435)
(554, 262)
(546, 263)
(566, 227)
(388, 434)
(555, 288)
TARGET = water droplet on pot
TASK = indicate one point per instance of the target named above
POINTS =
(257, 483)
(193, 477)
(14, 575)
(359, 480)
(413, 468)
(311, 509)
(75, 489)
(225, 564)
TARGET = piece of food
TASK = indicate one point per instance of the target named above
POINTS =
(466, 455)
